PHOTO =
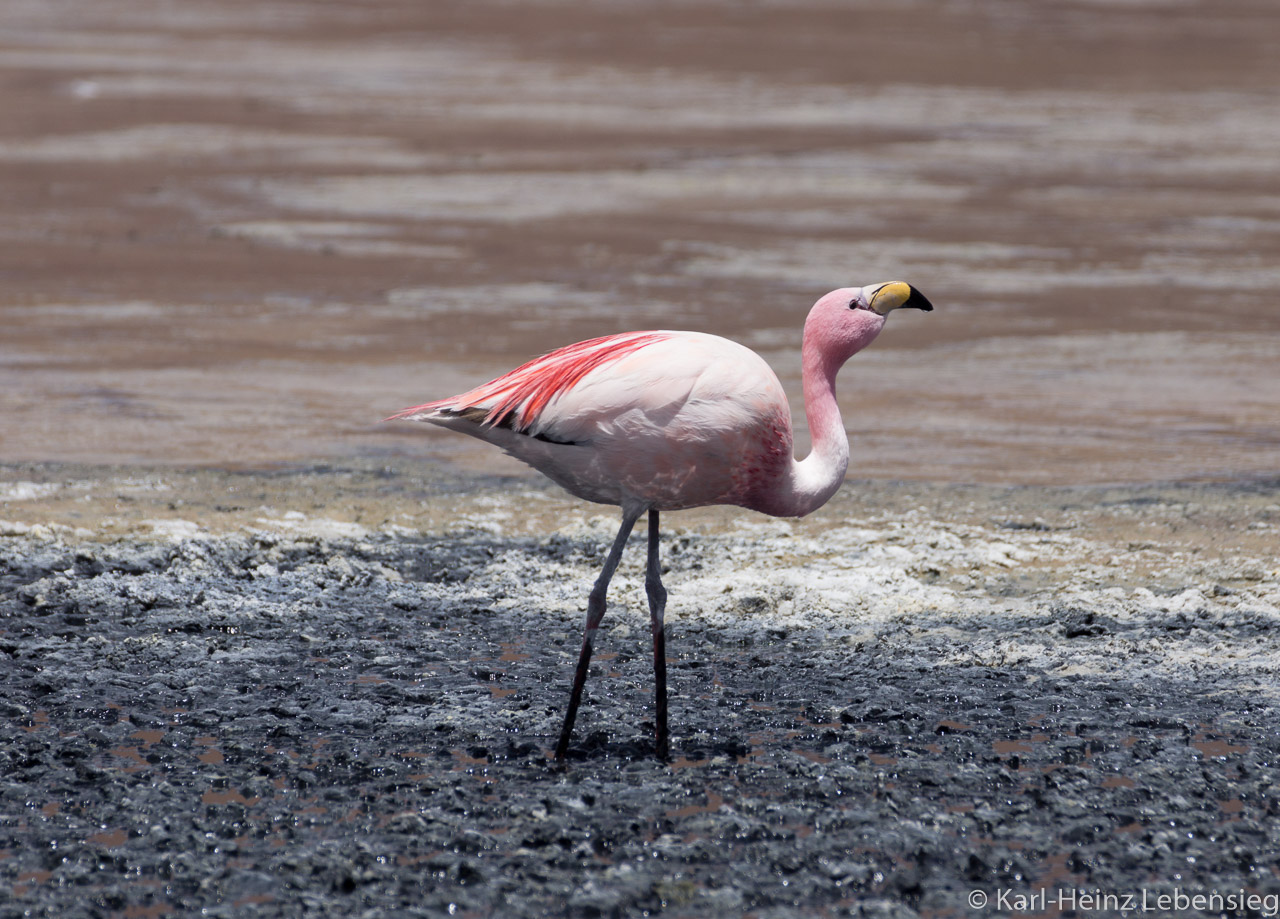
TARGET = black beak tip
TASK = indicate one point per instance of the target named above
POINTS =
(918, 301)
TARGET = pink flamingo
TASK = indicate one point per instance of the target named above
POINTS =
(654, 421)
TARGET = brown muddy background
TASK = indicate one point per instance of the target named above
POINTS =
(239, 232)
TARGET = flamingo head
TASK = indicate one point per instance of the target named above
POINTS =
(845, 321)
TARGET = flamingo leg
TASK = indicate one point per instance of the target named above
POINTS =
(595, 612)
(657, 608)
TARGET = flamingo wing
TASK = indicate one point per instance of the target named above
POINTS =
(517, 399)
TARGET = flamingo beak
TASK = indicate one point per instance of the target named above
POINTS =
(898, 295)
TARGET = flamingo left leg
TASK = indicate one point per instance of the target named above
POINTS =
(595, 612)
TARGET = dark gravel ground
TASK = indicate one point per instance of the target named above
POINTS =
(259, 724)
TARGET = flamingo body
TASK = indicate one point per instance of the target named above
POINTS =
(661, 420)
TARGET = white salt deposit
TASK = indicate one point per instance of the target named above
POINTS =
(26, 491)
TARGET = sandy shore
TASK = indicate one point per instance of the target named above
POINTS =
(331, 692)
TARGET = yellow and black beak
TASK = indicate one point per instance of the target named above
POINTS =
(898, 295)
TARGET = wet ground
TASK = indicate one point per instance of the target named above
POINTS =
(333, 692)
(243, 232)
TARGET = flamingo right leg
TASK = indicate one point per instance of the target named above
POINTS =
(657, 608)
(595, 612)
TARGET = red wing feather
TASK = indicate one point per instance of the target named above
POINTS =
(516, 398)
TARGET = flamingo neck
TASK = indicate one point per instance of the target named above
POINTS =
(819, 475)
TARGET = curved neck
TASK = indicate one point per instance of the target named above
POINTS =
(814, 479)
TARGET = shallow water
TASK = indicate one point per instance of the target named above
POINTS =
(240, 234)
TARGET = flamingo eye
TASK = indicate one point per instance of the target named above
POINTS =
(854, 304)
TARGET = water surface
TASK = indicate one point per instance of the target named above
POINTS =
(240, 234)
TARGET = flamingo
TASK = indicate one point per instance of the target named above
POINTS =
(658, 420)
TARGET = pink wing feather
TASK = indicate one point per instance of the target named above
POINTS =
(516, 398)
